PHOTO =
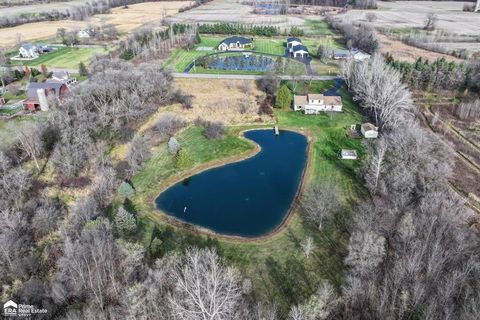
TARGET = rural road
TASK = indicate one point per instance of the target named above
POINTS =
(248, 76)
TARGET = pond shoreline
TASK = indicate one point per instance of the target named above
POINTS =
(215, 164)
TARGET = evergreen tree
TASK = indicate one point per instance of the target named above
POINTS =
(82, 69)
(125, 221)
(284, 98)
(126, 190)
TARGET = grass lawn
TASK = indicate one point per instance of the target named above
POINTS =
(64, 57)
(319, 27)
(279, 270)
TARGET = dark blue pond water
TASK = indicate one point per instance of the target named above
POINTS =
(250, 62)
(247, 198)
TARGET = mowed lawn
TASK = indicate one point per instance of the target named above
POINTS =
(181, 58)
(276, 265)
(64, 57)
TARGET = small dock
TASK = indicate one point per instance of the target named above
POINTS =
(277, 132)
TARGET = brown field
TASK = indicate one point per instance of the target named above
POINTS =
(220, 100)
(125, 20)
(404, 52)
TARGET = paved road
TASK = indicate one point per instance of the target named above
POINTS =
(248, 76)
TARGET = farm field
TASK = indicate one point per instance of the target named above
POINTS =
(275, 262)
(125, 20)
(33, 8)
(64, 57)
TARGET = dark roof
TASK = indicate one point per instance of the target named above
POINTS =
(28, 46)
(299, 47)
(293, 39)
(236, 39)
(34, 86)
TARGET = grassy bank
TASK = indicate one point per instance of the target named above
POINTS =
(276, 265)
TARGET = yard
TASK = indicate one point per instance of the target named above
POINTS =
(181, 58)
(276, 265)
(64, 57)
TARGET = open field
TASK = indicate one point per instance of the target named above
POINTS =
(234, 11)
(405, 17)
(32, 9)
(278, 269)
(64, 57)
(411, 14)
(405, 52)
(125, 20)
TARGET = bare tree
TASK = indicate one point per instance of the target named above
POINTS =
(205, 287)
(138, 153)
(308, 246)
(320, 202)
(431, 21)
(29, 139)
(366, 251)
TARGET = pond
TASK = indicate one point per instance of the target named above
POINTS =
(248, 198)
(243, 62)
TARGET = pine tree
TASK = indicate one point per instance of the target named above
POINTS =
(126, 190)
(82, 69)
(125, 221)
(284, 98)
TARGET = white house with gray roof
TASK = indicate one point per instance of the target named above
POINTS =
(235, 43)
(28, 50)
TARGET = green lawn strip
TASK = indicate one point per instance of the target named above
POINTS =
(64, 57)
(276, 265)
(319, 27)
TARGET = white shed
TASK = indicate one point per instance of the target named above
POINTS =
(369, 131)
(346, 154)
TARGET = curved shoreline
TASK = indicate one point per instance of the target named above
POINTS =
(215, 164)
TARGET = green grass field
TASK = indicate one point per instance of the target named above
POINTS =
(64, 57)
(180, 59)
(276, 265)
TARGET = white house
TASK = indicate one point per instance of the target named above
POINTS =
(292, 42)
(28, 51)
(316, 103)
(354, 53)
(369, 131)
(84, 34)
(235, 43)
(346, 154)
(299, 51)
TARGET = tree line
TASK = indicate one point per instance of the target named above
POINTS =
(361, 37)
(440, 74)
(247, 29)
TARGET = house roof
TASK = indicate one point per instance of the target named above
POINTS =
(300, 100)
(27, 46)
(368, 127)
(60, 74)
(299, 47)
(332, 100)
(293, 39)
(315, 96)
(34, 86)
(236, 39)
(348, 153)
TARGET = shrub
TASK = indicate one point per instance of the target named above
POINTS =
(265, 107)
(184, 99)
(82, 69)
(168, 124)
(284, 98)
(214, 130)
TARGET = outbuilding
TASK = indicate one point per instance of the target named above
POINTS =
(346, 154)
(369, 131)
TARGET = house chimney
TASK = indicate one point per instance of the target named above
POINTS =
(42, 98)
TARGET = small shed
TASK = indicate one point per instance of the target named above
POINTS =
(369, 131)
(346, 154)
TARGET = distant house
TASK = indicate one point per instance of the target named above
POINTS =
(28, 51)
(350, 54)
(38, 94)
(84, 34)
(63, 77)
(292, 42)
(316, 103)
(369, 131)
(346, 154)
(43, 48)
(299, 51)
(235, 43)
